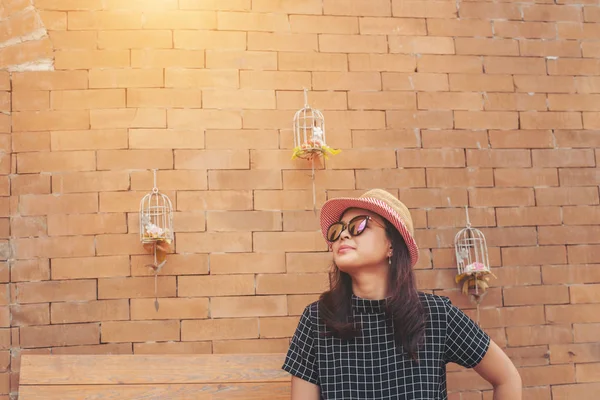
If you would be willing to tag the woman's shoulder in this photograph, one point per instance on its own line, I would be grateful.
(434, 304)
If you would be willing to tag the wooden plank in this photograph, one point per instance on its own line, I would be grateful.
(150, 369)
(240, 391)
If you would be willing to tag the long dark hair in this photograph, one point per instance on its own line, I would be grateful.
(403, 308)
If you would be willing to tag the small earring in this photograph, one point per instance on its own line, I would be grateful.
(390, 259)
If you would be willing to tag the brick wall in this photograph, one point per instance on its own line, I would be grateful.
(446, 104)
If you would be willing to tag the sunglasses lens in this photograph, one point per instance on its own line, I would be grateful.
(357, 225)
(334, 231)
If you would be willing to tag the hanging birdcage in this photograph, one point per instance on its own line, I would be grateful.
(309, 133)
(472, 262)
(156, 217)
(156, 230)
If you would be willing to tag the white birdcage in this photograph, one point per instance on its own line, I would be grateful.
(156, 217)
(309, 131)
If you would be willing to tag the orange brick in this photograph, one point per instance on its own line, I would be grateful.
(136, 287)
(591, 120)
(297, 61)
(239, 99)
(459, 27)
(30, 100)
(125, 78)
(177, 264)
(277, 327)
(56, 161)
(585, 294)
(85, 224)
(74, 40)
(50, 80)
(179, 19)
(377, 8)
(140, 331)
(419, 81)
(288, 241)
(299, 221)
(486, 120)
(213, 286)
(385, 138)
(434, 197)
(566, 196)
(243, 221)
(429, 9)
(286, 200)
(381, 100)
(88, 140)
(256, 21)
(102, 20)
(233, 59)
(51, 204)
(212, 119)
(573, 66)
(537, 335)
(543, 48)
(546, 12)
(528, 177)
(454, 217)
(421, 45)
(557, 374)
(95, 267)
(297, 303)
(43, 292)
(260, 346)
(5, 78)
(574, 274)
(53, 20)
(323, 24)
(26, 52)
(449, 101)
(289, 100)
(367, 178)
(266, 41)
(30, 141)
(521, 139)
(289, 7)
(161, 5)
(245, 306)
(59, 335)
(173, 348)
(164, 98)
(236, 180)
(578, 176)
(308, 262)
(490, 11)
(431, 158)
(499, 158)
(129, 39)
(578, 313)
(118, 348)
(91, 311)
(483, 46)
(501, 197)
(241, 139)
(167, 58)
(581, 215)
(346, 81)
(291, 283)
(420, 119)
(30, 270)
(234, 242)
(118, 244)
(565, 353)
(392, 26)
(134, 159)
(332, 43)
(512, 316)
(213, 159)
(30, 184)
(450, 64)
(90, 182)
(514, 65)
(169, 180)
(515, 101)
(87, 99)
(470, 177)
(590, 49)
(480, 82)
(88, 59)
(518, 29)
(585, 332)
(576, 102)
(551, 120)
(563, 158)
(534, 256)
(67, 5)
(50, 120)
(544, 84)
(219, 329)
(363, 158)
(28, 226)
(247, 263)
(30, 314)
(144, 309)
(215, 200)
(213, 40)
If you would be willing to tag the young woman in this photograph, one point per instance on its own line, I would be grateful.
(373, 335)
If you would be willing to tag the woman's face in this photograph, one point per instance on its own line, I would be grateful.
(369, 249)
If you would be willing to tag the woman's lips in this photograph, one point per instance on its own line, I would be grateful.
(345, 249)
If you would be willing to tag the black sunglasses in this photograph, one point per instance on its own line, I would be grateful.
(355, 226)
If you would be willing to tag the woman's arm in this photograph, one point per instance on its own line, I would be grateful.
(498, 369)
(304, 390)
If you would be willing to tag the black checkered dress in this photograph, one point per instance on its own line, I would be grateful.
(371, 366)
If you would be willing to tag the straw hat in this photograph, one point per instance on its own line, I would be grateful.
(380, 202)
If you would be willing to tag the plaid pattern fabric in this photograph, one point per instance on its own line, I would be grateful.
(371, 366)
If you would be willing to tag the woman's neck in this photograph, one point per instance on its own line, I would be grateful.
(371, 284)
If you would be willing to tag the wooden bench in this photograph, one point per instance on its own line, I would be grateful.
(189, 377)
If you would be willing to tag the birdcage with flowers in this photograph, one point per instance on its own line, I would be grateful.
(472, 261)
(156, 229)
